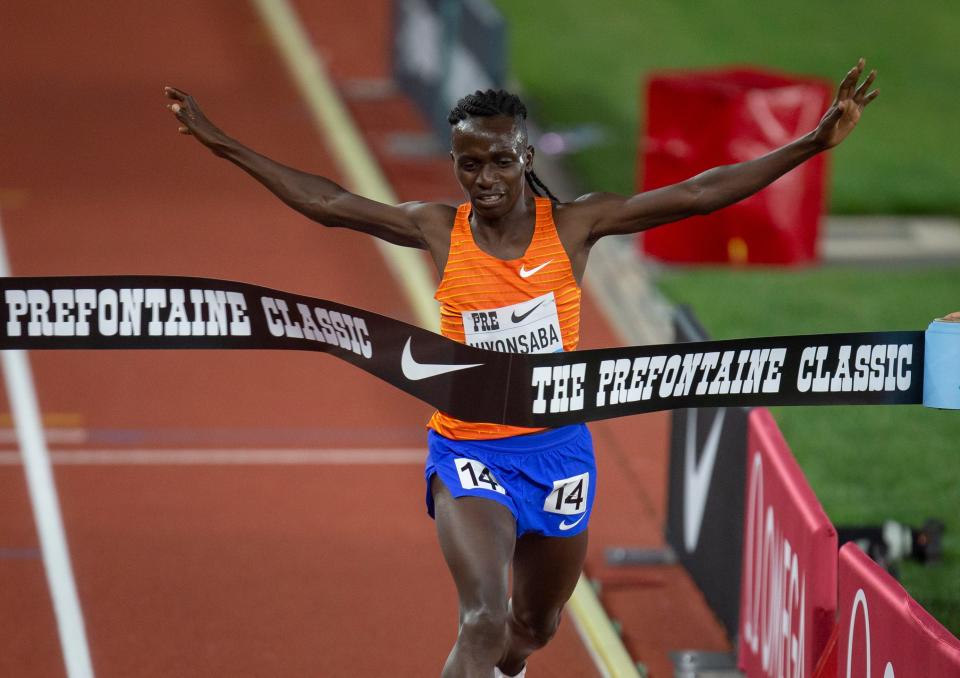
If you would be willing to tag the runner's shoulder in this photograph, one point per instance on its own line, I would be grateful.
(430, 216)
(587, 209)
(598, 198)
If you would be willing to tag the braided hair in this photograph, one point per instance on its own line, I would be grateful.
(498, 102)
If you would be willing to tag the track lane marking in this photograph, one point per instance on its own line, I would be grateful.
(45, 503)
(50, 434)
(230, 457)
(350, 152)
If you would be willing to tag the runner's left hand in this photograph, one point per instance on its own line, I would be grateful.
(844, 113)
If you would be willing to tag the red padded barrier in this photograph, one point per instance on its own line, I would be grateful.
(789, 580)
(884, 633)
(698, 120)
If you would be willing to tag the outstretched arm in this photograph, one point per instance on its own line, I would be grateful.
(722, 186)
(313, 196)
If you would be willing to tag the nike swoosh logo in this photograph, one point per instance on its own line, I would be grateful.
(564, 526)
(697, 477)
(519, 318)
(524, 273)
(415, 371)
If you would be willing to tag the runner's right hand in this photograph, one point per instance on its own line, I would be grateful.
(191, 118)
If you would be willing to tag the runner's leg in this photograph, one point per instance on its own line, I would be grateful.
(545, 572)
(477, 538)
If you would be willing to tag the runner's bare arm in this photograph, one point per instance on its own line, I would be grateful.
(408, 224)
(721, 186)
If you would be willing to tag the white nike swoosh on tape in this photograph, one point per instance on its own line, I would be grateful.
(415, 371)
(524, 273)
(565, 526)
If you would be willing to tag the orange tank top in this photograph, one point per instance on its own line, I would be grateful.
(525, 305)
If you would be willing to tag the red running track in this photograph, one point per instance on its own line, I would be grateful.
(321, 570)
(204, 570)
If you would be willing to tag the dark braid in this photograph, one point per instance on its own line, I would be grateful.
(533, 180)
(499, 102)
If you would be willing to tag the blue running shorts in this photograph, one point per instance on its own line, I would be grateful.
(546, 479)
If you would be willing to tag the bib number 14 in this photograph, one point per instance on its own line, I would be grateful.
(474, 475)
(569, 496)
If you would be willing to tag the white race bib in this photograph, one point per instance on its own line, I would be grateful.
(569, 496)
(532, 326)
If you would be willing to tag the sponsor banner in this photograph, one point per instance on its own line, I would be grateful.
(789, 584)
(522, 389)
(705, 496)
(884, 633)
(705, 503)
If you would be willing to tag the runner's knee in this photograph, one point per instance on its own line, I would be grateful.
(484, 626)
(536, 628)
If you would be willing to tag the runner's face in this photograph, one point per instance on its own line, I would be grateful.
(490, 158)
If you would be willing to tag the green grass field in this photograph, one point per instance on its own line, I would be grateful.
(586, 66)
(866, 464)
(582, 64)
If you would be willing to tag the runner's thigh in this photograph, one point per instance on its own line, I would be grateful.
(545, 572)
(477, 538)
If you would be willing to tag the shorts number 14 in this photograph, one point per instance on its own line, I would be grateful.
(569, 495)
(474, 475)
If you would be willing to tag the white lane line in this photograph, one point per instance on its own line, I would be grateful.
(231, 457)
(46, 506)
(362, 173)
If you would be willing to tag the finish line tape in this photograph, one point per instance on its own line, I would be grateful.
(521, 389)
